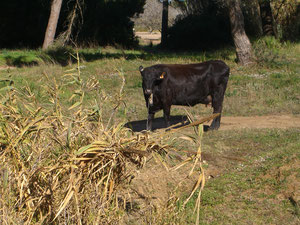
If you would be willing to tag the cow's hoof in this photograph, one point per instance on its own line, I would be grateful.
(149, 129)
(213, 128)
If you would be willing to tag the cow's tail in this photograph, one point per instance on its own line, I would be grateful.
(227, 70)
(226, 73)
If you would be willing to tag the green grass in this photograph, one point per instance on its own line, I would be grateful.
(257, 90)
(256, 191)
(19, 57)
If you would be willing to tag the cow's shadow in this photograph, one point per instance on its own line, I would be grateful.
(159, 123)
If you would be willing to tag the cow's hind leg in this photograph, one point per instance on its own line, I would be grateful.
(217, 104)
(167, 109)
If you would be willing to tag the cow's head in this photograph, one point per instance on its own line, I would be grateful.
(150, 78)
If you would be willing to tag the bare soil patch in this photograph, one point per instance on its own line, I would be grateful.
(228, 122)
(148, 37)
(6, 67)
(260, 122)
(153, 185)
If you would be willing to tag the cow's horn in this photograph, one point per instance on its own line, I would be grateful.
(141, 68)
(162, 75)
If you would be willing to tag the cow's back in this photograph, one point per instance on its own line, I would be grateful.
(190, 84)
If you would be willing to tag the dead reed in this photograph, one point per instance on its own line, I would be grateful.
(57, 169)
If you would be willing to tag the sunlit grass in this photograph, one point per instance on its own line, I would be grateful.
(269, 87)
(260, 188)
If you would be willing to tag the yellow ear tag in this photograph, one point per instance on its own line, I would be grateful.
(162, 75)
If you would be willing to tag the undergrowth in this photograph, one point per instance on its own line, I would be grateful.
(71, 169)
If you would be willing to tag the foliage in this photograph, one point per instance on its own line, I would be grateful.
(21, 25)
(58, 54)
(108, 22)
(204, 25)
(198, 7)
(201, 32)
(103, 22)
(266, 51)
(287, 17)
(150, 20)
(252, 18)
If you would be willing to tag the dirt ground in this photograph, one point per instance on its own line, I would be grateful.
(229, 122)
(259, 122)
(154, 184)
(148, 37)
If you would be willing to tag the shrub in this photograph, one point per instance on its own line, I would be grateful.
(201, 32)
(266, 51)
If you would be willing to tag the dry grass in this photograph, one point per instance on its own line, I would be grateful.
(58, 169)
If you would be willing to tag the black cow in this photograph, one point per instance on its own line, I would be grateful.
(177, 84)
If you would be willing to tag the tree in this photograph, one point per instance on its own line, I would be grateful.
(251, 12)
(108, 22)
(241, 41)
(52, 23)
(267, 18)
(164, 23)
(151, 18)
(286, 16)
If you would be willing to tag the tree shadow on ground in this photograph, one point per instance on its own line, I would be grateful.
(89, 57)
(159, 123)
(156, 53)
(67, 55)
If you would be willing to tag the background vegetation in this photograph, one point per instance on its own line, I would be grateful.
(97, 22)
(109, 22)
(250, 180)
(68, 150)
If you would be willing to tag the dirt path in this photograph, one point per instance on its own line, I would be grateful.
(228, 122)
(272, 121)
(154, 185)
(148, 37)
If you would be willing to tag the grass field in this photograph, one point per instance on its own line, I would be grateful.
(252, 175)
(271, 87)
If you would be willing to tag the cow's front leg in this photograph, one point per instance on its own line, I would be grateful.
(149, 120)
(167, 110)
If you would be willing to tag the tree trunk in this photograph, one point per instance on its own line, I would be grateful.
(267, 18)
(256, 17)
(52, 23)
(241, 41)
(164, 23)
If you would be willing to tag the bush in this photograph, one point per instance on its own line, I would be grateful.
(202, 32)
(59, 54)
(267, 52)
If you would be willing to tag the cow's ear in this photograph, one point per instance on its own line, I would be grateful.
(141, 68)
(162, 76)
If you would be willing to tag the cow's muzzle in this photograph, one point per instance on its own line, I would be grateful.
(148, 91)
(150, 99)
